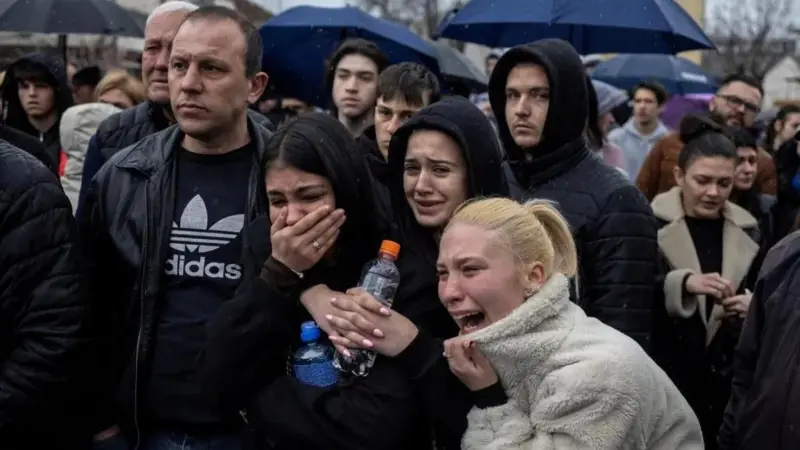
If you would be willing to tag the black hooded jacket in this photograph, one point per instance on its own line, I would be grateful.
(614, 228)
(244, 365)
(14, 115)
(446, 399)
(45, 316)
(29, 144)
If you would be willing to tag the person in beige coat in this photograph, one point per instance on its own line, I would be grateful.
(568, 381)
(78, 125)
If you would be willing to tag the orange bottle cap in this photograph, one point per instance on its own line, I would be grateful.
(390, 247)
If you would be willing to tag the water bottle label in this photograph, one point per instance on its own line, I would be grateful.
(382, 288)
(321, 374)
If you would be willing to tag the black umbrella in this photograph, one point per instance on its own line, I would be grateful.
(457, 68)
(63, 17)
(68, 17)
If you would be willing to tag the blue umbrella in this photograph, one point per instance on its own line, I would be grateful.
(591, 26)
(298, 42)
(677, 75)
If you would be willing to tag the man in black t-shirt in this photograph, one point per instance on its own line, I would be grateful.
(162, 226)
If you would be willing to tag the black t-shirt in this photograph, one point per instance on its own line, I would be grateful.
(707, 238)
(202, 271)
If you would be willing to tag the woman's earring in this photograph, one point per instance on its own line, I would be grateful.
(529, 292)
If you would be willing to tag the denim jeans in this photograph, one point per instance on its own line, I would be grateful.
(169, 440)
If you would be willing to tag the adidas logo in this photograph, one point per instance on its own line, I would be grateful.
(194, 236)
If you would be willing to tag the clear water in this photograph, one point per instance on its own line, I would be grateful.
(380, 278)
(313, 365)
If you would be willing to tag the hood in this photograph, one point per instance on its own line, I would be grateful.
(567, 114)
(13, 115)
(608, 97)
(463, 122)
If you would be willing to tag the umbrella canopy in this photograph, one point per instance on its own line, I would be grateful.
(679, 106)
(456, 67)
(677, 75)
(591, 26)
(298, 41)
(69, 17)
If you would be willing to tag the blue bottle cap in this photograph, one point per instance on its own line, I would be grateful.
(309, 331)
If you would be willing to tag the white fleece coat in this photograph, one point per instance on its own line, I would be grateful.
(574, 383)
(78, 125)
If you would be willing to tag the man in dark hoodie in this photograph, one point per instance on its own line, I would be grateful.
(36, 93)
(539, 96)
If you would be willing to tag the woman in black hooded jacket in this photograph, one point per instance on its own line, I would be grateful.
(414, 332)
(311, 164)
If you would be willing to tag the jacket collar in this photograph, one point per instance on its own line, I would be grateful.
(738, 248)
(152, 152)
(521, 342)
(540, 167)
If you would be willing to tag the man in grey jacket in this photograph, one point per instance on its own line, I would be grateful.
(641, 132)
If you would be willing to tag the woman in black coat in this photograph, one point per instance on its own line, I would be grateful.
(444, 155)
(709, 249)
(322, 228)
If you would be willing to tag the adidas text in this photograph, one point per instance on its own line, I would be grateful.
(200, 268)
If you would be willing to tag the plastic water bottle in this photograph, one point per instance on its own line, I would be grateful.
(380, 278)
(313, 362)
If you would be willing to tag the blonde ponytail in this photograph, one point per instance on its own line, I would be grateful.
(533, 232)
(565, 255)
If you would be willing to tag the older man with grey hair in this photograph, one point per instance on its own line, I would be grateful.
(134, 124)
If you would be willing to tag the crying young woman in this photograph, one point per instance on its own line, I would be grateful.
(321, 228)
(302, 261)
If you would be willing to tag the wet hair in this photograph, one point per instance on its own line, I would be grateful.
(88, 76)
(533, 232)
(742, 78)
(656, 88)
(125, 82)
(409, 82)
(703, 138)
(32, 72)
(771, 134)
(317, 143)
(363, 47)
(252, 40)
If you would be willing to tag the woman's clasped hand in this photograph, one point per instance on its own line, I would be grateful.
(299, 245)
(713, 284)
(363, 322)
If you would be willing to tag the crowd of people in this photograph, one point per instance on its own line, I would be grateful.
(574, 274)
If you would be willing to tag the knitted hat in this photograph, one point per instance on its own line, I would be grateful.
(608, 97)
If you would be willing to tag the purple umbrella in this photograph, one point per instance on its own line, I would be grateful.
(678, 106)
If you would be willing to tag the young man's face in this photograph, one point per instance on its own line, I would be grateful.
(355, 83)
(83, 94)
(37, 97)
(390, 115)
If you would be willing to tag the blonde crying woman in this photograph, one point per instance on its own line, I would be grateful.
(542, 373)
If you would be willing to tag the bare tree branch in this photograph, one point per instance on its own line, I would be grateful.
(753, 36)
(421, 15)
